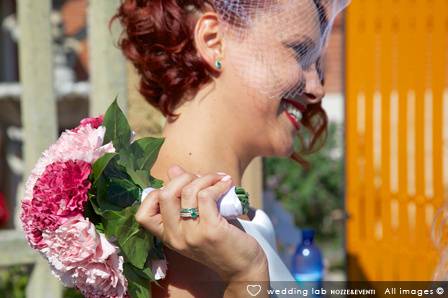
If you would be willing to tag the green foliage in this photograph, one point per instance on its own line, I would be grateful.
(117, 127)
(137, 280)
(117, 183)
(72, 293)
(132, 239)
(145, 152)
(315, 194)
(100, 165)
(13, 281)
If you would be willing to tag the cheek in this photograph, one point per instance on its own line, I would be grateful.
(262, 124)
(268, 120)
(289, 73)
(266, 69)
(273, 72)
(265, 107)
(275, 129)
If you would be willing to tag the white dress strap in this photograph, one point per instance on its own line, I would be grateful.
(261, 229)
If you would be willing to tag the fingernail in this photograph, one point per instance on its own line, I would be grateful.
(197, 175)
(226, 178)
(221, 173)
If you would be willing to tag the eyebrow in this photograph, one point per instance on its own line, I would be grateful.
(305, 43)
(305, 39)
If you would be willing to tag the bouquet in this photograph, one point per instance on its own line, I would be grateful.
(80, 203)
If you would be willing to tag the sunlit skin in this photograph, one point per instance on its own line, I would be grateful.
(226, 125)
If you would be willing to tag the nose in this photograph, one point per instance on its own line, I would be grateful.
(314, 90)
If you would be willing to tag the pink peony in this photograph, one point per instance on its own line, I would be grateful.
(85, 144)
(103, 279)
(59, 193)
(92, 122)
(76, 243)
(63, 187)
(32, 234)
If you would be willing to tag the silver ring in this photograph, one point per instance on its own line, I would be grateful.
(189, 213)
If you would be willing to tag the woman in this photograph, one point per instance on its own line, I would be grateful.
(236, 80)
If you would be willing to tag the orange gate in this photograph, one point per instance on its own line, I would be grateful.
(396, 135)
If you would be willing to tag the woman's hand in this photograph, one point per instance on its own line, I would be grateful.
(208, 239)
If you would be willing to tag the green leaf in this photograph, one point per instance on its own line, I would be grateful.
(155, 183)
(95, 206)
(146, 273)
(100, 165)
(93, 213)
(140, 177)
(122, 192)
(134, 242)
(128, 160)
(114, 188)
(145, 152)
(117, 127)
(99, 227)
(138, 287)
(90, 212)
(116, 170)
(111, 218)
(104, 202)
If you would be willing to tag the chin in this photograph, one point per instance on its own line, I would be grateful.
(284, 148)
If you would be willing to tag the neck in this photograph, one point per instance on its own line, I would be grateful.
(201, 141)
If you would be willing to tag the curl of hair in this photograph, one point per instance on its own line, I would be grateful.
(158, 39)
(315, 121)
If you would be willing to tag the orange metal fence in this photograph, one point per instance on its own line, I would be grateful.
(396, 135)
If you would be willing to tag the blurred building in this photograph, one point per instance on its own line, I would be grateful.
(68, 22)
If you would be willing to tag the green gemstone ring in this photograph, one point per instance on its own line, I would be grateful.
(189, 213)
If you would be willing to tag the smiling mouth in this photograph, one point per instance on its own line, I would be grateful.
(294, 111)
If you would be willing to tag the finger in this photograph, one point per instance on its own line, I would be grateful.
(174, 171)
(208, 199)
(169, 200)
(148, 214)
(190, 192)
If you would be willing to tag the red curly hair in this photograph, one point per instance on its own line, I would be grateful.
(158, 38)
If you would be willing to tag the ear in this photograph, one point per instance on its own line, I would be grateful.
(208, 40)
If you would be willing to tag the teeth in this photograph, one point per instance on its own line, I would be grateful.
(293, 111)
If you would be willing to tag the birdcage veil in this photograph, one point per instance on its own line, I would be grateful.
(274, 41)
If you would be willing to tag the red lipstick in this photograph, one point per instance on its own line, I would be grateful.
(293, 120)
(296, 104)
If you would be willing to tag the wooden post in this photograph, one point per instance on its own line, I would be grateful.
(108, 73)
(36, 75)
(38, 110)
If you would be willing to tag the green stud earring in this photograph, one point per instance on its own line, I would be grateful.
(218, 64)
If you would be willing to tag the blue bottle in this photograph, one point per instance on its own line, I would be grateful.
(307, 262)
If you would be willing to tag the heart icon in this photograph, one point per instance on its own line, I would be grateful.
(253, 290)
